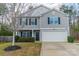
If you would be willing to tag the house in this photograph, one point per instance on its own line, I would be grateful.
(44, 24)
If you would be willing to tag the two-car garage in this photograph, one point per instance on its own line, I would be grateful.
(54, 36)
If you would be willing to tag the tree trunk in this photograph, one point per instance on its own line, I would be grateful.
(2, 19)
(70, 25)
(13, 41)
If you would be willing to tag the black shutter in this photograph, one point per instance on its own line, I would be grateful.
(35, 21)
(30, 33)
(21, 34)
(20, 21)
(26, 21)
(48, 20)
(30, 21)
(58, 20)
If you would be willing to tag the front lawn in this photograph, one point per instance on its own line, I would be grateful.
(27, 49)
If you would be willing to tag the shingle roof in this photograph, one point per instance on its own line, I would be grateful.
(39, 11)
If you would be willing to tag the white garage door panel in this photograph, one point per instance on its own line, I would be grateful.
(54, 36)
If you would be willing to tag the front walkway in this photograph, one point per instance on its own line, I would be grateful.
(59, 49)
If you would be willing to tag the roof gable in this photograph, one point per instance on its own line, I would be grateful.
(38, 11)
(55, 11)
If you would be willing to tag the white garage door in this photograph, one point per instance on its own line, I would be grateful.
(54, 36)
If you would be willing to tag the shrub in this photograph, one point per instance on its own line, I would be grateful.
(30, 39)
(71, 39)
(4, 32)
(16, 38)
(24, 39)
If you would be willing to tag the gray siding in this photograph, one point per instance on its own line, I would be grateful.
(28, 27)
(44, 20)
(64, 21)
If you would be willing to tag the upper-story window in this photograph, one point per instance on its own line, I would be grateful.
(23, 21)
(33, 21)
(28, 21)
(20, 21)
(54, 20)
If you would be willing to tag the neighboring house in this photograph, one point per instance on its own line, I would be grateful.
(43, 24)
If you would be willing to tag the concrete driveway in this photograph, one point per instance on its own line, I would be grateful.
(59, 49)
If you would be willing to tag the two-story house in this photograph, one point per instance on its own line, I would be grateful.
(44, 24)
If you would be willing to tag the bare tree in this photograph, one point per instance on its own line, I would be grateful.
(14, 10)
(71, 14)
(3, 9)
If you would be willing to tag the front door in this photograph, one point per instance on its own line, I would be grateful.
(37, 36)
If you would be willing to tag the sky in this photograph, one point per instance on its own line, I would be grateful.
(53, 5)
(50, 5)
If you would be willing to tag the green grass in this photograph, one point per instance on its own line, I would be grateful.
(28, 49)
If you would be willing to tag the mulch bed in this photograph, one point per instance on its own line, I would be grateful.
(12, 48)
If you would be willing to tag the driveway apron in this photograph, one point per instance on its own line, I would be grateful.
(59, 49)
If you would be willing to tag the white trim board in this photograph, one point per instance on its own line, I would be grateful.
(53, 28)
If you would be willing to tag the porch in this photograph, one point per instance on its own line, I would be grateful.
(29, 33)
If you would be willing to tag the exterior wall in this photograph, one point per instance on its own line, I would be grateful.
(42, 24)
(28, 27)
(64, 21)
(44, 20)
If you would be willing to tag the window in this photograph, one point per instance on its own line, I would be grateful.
(33, 21)
(23, 22)
(54, 20)
(26, 34)
(20, 21)
(29, 33)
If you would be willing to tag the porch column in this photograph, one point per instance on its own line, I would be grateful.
(16, 33)
(32, 33)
